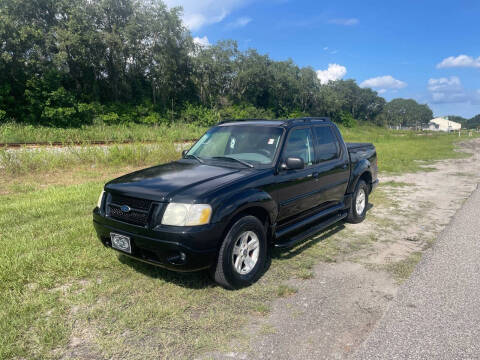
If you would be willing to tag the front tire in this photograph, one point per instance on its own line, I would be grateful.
(242, 257)
(358, 209)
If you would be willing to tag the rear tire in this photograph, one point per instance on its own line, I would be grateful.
(243, 254)
(358, 209)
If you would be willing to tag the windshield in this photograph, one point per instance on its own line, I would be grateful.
(249, 144)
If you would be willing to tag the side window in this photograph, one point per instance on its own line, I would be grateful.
(300, 145)
(327, 143)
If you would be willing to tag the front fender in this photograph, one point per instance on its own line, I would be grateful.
(361, 167)
(232, 205)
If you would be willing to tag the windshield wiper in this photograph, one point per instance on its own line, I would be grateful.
(233, 159)
(191, 156)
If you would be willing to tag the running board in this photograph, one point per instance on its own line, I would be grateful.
(312, 231)
(318, 216)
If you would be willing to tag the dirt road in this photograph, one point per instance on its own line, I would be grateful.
(334, 312)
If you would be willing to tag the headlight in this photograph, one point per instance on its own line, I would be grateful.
(187, 214)
(100, 198)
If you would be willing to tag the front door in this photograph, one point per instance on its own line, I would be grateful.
(295, 188)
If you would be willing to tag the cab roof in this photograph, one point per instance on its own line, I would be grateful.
(280, 122)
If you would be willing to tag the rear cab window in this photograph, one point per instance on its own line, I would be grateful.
(327, 143)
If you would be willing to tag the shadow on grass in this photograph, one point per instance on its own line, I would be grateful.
(191, 280)
(201, 279)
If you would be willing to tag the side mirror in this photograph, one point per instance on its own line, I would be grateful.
(293, 163)
(184, 152)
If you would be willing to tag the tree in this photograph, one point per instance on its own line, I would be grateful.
(214, 71)
(404, 112)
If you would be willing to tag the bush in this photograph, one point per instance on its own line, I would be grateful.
(153, 118)
(109, 118)
(200, 115)
(62, 109)
(347, 120)
(296, 114)
(245, 112)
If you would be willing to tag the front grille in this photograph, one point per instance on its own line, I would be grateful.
(135, 203)
(131, 217)
(138, 213)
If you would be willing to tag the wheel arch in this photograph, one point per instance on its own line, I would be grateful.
(362, 171)
(252, 202)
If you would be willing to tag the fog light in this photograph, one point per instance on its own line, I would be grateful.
(178, 259)
(121, 242)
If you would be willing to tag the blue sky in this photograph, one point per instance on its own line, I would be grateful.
(425, 50)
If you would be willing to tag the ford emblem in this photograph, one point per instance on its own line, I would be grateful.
(125, 208)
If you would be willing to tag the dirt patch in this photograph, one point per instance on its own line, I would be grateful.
(333, 312)
(419, 211)
(81, 344)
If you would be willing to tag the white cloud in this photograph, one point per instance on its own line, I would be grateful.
(459, 61)
(240, 22)
(202, 41)
(330, 51)
(452, 83)
(199, 13)
(344, 22)
(334, 72)
(450, 90)
(383, 83)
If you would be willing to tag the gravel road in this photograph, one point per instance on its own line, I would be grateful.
(436, 314)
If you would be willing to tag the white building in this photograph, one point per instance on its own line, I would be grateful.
(443, 124)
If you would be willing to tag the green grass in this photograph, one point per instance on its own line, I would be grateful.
(402, 269)
(17, 133)
(406, 151)
(285, 290)
(28, 161)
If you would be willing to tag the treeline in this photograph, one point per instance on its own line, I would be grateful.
(68, 63)
(472, 123)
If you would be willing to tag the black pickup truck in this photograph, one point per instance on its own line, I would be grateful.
(243, 187)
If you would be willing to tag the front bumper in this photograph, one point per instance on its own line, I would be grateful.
(174, 248)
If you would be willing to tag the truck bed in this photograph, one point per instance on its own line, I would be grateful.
(359, 151)
(352, 147)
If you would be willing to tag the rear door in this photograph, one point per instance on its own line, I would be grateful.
(331, 171)
(294, 188)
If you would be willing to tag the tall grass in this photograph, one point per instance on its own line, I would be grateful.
(17, 133)
(27, 161)
(398, 151)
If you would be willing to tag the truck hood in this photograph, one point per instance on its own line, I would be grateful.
(162, 182)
